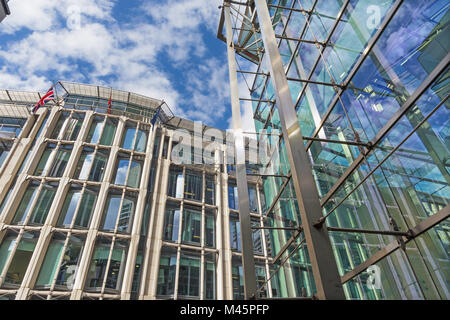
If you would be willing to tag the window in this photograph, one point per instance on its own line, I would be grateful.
(17, 257)
(253, 199)
(5, 148)
(235, 233)
(193, 185)
(167, 270)
(210, 195)
(78, 212)
(54, 160)
(102, 131)
(192, 218)
(210, 235)
(61, 262)
(238, 279)
(96, 130)
(175, 183)
(210, 276)
(36, 203)
(68, 126)
(128, 171)
(119, 211)
(232, 195)
(92, 164)
(107, 265)
(189, 277)
(257, 238)
(171, 222)
(135, 137)
(11, 127)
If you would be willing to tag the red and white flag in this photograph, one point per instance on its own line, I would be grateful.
(50, 95)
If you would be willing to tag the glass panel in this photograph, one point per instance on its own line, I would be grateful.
(86, 208)
(26, 203)
(141, 141)
(43, 204)
(111, 211)
(60, 161)
(235, 233)
(126, 214)
(175, 183)
(238, 280)
(191, 225)
(6, 248)
(134, 176)
(99, 166)
(210, 276)
(210, 235)
(69, 207)
(117, 265)
(210, 195)
(95, 131)
(193, 185)
(44, 164)
(128, 138)
(84, 164)
(108, 132)
(21, 259)
(171, 222)
(252, 198)
(122, 170)
(166, 274)
(189, 277)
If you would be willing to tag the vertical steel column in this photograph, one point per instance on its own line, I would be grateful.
(325, 272)
(248, 261)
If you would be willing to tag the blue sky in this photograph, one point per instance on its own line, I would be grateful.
(163, 49)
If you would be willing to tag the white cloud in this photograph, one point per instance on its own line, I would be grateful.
(127, 55)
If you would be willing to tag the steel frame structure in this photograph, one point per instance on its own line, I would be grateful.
(263, 27)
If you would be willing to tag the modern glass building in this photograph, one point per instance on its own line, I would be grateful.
(358, 91)
(92, 206)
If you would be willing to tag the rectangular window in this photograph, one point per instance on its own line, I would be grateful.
(107, 265)
(128, 139)
(238, 279)
(193, 185)
(54, 160)
(235, 233)
(92, 164)
(232, 195)
(175, 183)
(257, 238)
(210, 231)
(36, 210)
(109, 132)
(192, 219)
(189, 277)
(171, 222)
(96, 130)
(20, 256)
(210, 276)
(68, 126)
(119, 211)
(210, 195)
(166, 274)
(75, 212)
(252, 199)
(61, 262)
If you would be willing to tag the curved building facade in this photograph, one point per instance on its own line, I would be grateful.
(93, 207)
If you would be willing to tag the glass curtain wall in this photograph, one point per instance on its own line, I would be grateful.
(379, 99)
